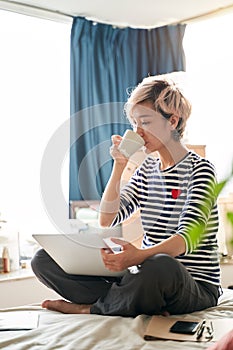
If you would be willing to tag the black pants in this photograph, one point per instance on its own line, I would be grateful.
(162, 284)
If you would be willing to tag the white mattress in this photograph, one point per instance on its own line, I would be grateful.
(84, 332)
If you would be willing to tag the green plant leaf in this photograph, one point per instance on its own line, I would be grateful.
(230, 217)
(219, 187)
(197, 232)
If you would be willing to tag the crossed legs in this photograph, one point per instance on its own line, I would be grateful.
(162, 285)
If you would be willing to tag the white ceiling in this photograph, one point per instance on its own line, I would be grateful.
(132, 13)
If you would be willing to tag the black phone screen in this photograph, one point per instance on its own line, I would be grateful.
(185, 327)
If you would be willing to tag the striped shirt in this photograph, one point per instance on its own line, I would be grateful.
(178, 200)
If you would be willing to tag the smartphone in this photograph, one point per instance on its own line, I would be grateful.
(113, 247)
(185, 327)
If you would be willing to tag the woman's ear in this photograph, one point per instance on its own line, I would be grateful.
(174, 120)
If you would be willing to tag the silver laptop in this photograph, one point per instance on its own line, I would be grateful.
(77, 253)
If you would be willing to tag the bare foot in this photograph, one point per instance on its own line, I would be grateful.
(66, 307)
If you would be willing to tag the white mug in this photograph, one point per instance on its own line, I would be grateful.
(130, 143)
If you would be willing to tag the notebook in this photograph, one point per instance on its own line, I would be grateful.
(78, 253)
(159, 328)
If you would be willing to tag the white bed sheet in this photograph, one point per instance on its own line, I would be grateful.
(84, 332)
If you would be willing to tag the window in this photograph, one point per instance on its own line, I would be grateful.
(209, 57)
(35, 100)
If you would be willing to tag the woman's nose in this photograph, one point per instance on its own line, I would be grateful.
(139, 131)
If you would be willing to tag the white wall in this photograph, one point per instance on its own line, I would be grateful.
(209, 56)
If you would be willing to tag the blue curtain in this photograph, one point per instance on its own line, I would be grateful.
(106, 63)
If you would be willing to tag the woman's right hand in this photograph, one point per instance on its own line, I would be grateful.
(116, 155)
(110, 201)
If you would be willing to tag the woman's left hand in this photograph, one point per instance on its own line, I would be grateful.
(128, 256)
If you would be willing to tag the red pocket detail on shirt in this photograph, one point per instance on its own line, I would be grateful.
(176, 193)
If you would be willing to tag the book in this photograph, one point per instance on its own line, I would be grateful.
(159, 328)
(18, 320)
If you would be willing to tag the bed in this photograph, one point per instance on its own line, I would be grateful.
(84, 332)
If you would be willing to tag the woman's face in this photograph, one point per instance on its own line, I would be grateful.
(151, 126)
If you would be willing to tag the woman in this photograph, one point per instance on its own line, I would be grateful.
(177, 265)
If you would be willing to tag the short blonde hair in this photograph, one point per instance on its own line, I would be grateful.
(166, 98)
